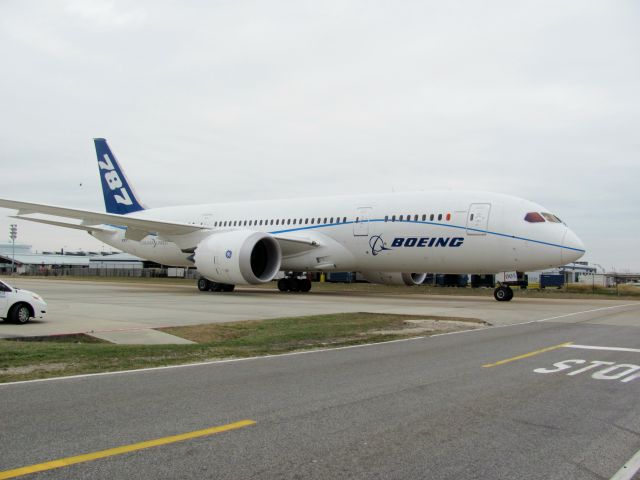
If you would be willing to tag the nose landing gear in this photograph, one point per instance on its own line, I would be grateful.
(503, 293)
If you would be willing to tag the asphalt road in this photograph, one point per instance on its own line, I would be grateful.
(423, 408)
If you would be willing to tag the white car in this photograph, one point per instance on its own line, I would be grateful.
(18, 306)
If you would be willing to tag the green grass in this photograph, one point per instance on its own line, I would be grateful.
(25, 360)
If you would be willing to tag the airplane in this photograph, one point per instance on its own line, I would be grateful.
(391, 239)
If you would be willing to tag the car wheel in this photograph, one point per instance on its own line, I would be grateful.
(20, 314)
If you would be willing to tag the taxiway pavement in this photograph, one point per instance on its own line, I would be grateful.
(127, 312)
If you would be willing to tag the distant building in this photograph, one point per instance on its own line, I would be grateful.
(34, 263)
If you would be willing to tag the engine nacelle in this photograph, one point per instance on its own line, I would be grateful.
(239, 257)
(393, 278)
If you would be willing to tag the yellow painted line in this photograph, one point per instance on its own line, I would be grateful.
(65, 462)
(526, 355)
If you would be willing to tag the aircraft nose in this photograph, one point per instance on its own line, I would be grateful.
(572, 247)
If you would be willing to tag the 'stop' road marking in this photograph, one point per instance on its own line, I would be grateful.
(64, 462)
(526, 355)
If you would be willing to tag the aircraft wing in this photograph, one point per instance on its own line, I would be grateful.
(75, 226)
(138, 228)
(88, 217)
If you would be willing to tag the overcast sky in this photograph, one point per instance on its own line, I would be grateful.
(231, 100)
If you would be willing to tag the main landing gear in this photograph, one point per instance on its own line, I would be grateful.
(503, 293)
(294, 282)
(205, 285)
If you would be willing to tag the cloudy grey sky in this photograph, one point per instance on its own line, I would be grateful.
(206, 101)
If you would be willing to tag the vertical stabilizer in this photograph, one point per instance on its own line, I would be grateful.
(119, 196)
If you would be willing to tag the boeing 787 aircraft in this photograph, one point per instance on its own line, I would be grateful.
(389, 238)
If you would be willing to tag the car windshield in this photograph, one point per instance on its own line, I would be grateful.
(5, 287)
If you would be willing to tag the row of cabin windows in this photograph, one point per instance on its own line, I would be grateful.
(277, 221)
(325, 220)
(416, 218)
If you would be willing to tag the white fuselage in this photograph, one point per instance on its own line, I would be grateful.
(444, 232)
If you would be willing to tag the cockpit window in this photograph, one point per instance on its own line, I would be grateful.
(534, 217)
(551, 218)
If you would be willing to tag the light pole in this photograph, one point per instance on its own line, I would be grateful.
(13, 234)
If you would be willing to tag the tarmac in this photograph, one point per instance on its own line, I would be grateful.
(129, 312)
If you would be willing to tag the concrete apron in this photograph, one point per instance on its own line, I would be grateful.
(143, 336)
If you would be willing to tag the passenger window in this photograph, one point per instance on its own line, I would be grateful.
(313, 220)
(289, 221)
(393, 218)
(439, 216)
(386, 218)
(344, 219)
(400, 218)
(415, 219)
(319, 221)
(448, 217)
(331, 220)
(424, 217)
(431, 217)
(532, 217)
(278, 221)
(306, 221)
(325, 219)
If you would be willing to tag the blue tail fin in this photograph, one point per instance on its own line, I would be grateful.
(119, 197)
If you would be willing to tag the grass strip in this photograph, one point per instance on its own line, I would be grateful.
(26, 360)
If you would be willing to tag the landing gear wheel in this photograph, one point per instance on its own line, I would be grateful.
(283, 284)
(204, 285)
(227, 287)
(305, 285)
(294, 285)
(503, 294)
(20, 314)
(217, 287)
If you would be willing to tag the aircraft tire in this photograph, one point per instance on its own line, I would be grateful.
(204, 285)
(509, 293)
(294, 285)
(283, 285)
(503, 294)
(217, 287)
(305, 285)
(228, 288)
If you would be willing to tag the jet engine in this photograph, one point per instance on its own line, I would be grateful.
(238, 257)
(392, 278)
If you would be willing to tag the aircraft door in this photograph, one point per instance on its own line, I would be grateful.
(361, 223)
(478, 218)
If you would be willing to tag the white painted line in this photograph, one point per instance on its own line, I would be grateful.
(612, 349)
(319, 350)
(539, 320)
(629, 469)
